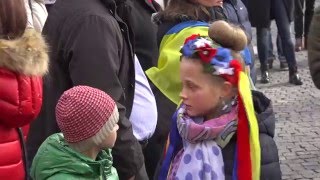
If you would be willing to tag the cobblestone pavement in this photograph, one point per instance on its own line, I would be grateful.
(297, 111)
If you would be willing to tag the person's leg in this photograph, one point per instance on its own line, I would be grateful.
(152, 155)
(253, 73)
(298, 23)
(307, 19)
(271, 55)
(263, 49)
(282, 59)
(283, 26)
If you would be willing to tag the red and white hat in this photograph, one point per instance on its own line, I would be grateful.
(86, 116)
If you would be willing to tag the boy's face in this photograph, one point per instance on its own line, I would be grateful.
(200, 93)
(111, 139)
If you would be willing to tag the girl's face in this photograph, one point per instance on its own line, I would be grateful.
(200, 92)
(210, 3)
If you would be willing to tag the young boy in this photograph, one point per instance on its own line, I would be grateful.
(88, 120)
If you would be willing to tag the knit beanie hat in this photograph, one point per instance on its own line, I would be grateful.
(86, 116)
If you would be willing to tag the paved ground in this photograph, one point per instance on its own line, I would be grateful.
(298, 120)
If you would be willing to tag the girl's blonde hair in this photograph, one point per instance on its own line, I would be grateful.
(229, 36)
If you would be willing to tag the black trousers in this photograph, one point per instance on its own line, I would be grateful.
(283, 26)
(303, 8)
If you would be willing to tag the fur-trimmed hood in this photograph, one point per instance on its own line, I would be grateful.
(27, 55)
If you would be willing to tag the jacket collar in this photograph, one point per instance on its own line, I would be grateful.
(27, 55)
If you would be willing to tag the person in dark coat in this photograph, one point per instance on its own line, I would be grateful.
(261, 12)
(137, 15)
(236, 13)
(90, 46)
(314, 48)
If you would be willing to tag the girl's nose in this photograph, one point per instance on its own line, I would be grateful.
(182, 95)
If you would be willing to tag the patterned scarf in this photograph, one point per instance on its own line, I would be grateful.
(201, 156)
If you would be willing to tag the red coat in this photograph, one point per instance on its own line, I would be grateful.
(23, 62)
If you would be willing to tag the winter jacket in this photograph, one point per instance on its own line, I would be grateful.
(55, 160)
(137, 15)
(37, 14)
(314, 48)
(260, 13)
(270, 165)
(90, 45)
(23, 62)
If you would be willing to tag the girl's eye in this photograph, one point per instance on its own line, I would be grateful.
(191, 86)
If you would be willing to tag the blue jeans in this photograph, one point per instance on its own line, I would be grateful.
(283, 25)
(271, 55)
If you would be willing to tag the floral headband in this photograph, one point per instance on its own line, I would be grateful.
(216, 60)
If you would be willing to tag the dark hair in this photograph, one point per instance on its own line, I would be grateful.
(184, 9)
(13, 18)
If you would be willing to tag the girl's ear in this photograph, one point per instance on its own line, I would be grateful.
(228, 90)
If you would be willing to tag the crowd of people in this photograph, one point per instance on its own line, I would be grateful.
(129, 89)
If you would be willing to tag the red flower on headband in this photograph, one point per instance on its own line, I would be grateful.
(192, 37)
(206, 53)
(234, 79)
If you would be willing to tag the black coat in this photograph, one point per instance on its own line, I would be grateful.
(270, 166)
(260, 12)
(137, 15)
(90, 45)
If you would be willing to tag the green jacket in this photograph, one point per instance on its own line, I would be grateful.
(55, 161)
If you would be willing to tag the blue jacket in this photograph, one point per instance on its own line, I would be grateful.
(237, 13)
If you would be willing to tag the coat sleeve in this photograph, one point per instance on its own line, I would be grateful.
(314, 48)
(94, 56)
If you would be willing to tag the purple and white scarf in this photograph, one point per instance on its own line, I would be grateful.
(201, 157)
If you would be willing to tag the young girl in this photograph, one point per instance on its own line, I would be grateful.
(215, 133)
